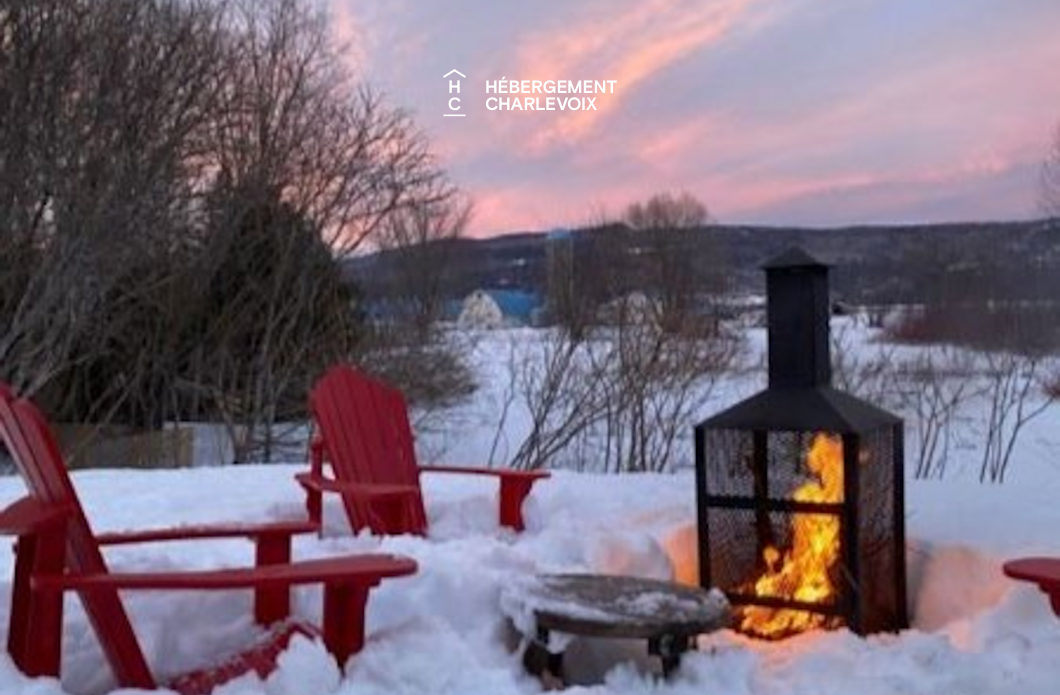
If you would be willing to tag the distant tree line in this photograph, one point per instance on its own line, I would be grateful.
(177, 181)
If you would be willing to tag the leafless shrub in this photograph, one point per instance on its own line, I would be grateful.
(432, 373)
(1016, 394)
(637, 351)
(563, 395)
(998, 329)
(656, 380)
(938, 387)
(618, 401)
(934, 388)
(864, 374)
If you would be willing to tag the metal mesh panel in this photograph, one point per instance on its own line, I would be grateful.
(877, 550)
(730, 462)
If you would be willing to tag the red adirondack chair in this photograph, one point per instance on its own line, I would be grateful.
(1043, 571)
(57, 552)
(363, 433)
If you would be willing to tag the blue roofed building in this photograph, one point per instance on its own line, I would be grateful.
(497, 308)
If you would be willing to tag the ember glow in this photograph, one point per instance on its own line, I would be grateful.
(804, 571)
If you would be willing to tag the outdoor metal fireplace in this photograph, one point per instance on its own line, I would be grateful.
(799, 488)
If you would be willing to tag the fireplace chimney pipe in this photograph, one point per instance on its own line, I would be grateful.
(797, 313)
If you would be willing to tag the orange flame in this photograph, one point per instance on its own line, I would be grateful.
(803, 572)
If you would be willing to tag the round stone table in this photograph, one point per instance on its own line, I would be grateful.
(548, 609)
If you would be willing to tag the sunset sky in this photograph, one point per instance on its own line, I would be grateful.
(815, 112)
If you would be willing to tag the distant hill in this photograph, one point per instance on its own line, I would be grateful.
(878, 264)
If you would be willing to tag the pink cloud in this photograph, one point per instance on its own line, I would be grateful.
(801, 102)
(629, 47)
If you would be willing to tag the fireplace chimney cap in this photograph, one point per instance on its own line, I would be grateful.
(799, 396)
(793, 257)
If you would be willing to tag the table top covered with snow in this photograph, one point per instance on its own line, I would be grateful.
(618, 606)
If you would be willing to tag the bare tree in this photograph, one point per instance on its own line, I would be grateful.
(677, 256)
(585, 269)
(635, 355)
(100, 100)
(306, 164)
(297, 122)
(418, 243)
(178, 180)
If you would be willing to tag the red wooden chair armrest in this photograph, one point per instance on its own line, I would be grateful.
(272, 543)
(515, 486)
(347, 581)
(498, 472)
(318, 482)
(1035, 569)
(1043, 571)
(367, 490)
(351, 570)
(29, 515)
(200, 532)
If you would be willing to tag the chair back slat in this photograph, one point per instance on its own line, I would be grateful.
(45, 484)
(375, 414)
(367, 435)
(40, 463)
(402, 434)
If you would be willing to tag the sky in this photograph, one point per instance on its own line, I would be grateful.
(782, 112)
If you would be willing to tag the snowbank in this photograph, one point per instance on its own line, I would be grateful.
(443, 630)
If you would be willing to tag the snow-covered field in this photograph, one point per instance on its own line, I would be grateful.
(443, 630)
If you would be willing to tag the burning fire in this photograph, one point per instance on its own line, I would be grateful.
(802, 572)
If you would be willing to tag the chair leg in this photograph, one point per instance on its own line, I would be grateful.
(344, 609)
(18, 622)
(314, 507)
(45, 634)
(513, 492)
(314, 498)
(272, 604)
(44, 616)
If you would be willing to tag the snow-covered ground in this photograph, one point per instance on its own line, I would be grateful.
(443, 629)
